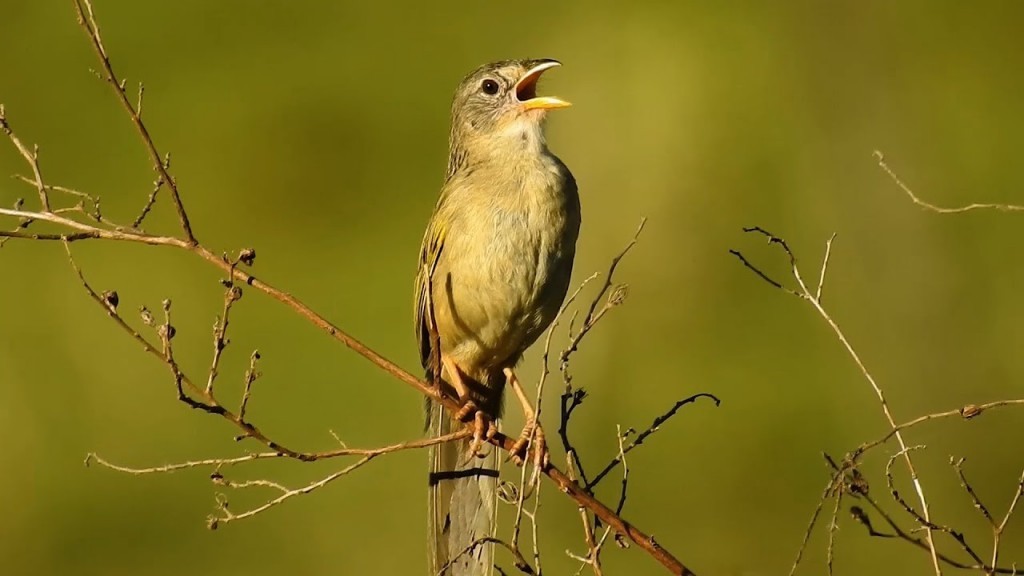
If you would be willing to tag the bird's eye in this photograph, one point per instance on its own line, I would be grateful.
(490, 87)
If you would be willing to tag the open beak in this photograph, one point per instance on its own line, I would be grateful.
(526, 89)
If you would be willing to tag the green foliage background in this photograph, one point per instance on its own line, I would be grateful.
(316, 133)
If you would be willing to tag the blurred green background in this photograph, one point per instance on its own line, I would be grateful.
(316, 133)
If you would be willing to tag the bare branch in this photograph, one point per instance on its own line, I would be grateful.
(997, 527)
(830, 488)
(833, 526)
(30, 156)
(169, 468)
(957, 464)
(966, 412)
(88, 231)
(939, 209)
(232, 294)
(518, 561)
(572, 398)
(997, 530)
(921, 519)
(654, 427)
(151, 200)
(824, 267)
(314, 456)
(861, 516)
(616, 298)
(226, 515)
(87, 19)
(815, 300)
(250, 376)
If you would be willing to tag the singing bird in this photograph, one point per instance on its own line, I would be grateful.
(494, 270)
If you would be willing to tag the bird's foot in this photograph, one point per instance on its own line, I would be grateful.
(484, 429)
(532, 436)
(467, 412)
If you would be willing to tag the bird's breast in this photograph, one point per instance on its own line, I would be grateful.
(509, 259)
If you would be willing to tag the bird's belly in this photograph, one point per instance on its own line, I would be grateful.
(499, 300)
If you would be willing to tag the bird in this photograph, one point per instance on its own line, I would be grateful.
(494, 268)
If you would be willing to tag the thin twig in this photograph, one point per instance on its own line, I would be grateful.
(833, 526)
(231, 461)
(815, 299)
(997, 531)
(997, 527)
(251, 375)
(546, 371)
(654, 427)
(924, 521)
(572, 398)
(939, 209)
(824, 266)
(30, 156)
(966, 412)
(226, 515)
(829, 490)
(958, 464)
(520, 563)
(93, 214)
(545, 368)
(151, 200)
(232, 294)
(898, 532)
(616, 298)
(87, 19)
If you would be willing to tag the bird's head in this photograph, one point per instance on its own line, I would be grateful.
(501, 99)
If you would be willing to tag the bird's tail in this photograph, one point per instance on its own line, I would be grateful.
(462, 502)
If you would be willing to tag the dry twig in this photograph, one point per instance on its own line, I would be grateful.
(814, 298)
(939, 209)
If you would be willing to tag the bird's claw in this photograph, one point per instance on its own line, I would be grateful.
(468, 409)
(484, 430)
(532, 436)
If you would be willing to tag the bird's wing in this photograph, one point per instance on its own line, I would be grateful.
(463, 493)
(430, 253)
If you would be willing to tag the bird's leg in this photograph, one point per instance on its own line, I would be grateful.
(532, 432)
(483, 426)
(455, 375)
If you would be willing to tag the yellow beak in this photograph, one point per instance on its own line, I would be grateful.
(526, 89)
